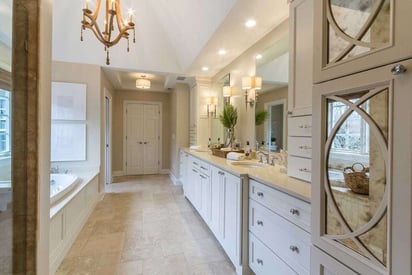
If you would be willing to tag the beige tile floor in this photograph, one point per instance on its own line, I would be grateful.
(144, 225)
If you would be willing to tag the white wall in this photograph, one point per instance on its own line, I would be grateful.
(44, 109)
(90, 75)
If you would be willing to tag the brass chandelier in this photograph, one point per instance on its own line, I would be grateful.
(109, 37)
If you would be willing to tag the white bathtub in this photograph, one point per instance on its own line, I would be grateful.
(60, 185)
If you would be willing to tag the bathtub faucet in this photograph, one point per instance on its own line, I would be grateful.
(54, 170)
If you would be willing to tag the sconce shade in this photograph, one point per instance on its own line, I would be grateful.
(246, 83)
(253, 82)
(142, 83)
(257, 83)
(227, 91)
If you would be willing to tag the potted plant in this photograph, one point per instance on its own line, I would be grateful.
(260, 117)
(228, 118)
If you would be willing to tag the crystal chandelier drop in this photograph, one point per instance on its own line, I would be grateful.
(108, 35)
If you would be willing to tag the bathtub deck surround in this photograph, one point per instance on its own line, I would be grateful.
(70, 208)
(144, 225)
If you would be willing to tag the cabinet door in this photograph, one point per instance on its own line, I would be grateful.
(216, 181)
(361, 180)
(354, 36)
(205, 210)
(301, 55)
(231, 217)
(322, 264)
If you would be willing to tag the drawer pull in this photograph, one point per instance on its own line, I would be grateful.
(260, 194)
(294, 248)
(294, 211)
(304, 147)
(195, 163)
(203, 177)
(220, 173)
(304, 126)
(304, 170)
(260, 223)
(204, 168)
(259, 261)
(194, 170)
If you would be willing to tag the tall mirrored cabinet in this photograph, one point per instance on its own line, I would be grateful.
(362, 146)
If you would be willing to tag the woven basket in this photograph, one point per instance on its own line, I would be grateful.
(223, 154)
(357, 179)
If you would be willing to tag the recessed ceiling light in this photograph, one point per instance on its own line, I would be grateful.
(250, 23)
(205, 69)
(259, 56)
(221, 52)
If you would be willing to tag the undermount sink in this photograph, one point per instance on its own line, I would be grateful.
(248, 164)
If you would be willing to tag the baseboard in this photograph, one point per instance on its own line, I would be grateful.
(118, 173)
(164, 171)
(175, 180)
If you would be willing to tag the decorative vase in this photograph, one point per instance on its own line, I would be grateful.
(232, 138)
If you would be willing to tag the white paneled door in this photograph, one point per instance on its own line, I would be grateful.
(142, 137)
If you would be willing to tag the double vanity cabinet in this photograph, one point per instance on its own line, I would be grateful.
(260, 216)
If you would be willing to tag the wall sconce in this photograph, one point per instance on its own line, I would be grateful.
(249, 83)
(211, 107)
(227, 94)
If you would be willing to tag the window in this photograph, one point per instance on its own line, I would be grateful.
(353, 135)
(4, 122)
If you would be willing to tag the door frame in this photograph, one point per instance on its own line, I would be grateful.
(110, 123)
(285, 115)
(160, 105)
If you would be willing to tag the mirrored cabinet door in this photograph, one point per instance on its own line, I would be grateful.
(358, 181)
(359, 35)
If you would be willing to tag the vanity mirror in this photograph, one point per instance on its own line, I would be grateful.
(216, 129)
(271, 108)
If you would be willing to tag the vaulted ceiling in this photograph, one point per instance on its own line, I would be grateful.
(175, 38)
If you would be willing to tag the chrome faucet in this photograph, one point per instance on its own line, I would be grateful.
(262, 154)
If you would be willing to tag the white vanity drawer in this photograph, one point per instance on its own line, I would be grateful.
(204, 167)
(300, 126)
(292, 209)
(300, 146)
(286, 240)
(264, 262)
(300, 168)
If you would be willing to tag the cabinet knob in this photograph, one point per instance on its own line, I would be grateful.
(259, 261)
(290, 113)
(140, 142)
(304, 126)
(260, 194)
(260, 223)
(304, 170)
(294, 211)
(304, 147)
(294, 248)
(398, 69)
(145, 142)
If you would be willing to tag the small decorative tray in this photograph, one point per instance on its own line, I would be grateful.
(223, 154)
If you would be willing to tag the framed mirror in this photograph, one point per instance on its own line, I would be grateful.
(216, 128)
(271, 108)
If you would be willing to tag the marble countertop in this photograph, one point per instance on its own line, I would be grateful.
(268, 175)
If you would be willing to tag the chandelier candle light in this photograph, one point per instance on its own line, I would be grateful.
(113, 15)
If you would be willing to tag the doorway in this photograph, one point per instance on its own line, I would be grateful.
(108, 138)
(275, 125)
(141, 136)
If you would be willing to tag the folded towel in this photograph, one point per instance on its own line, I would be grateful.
(194, 147)
(235, 156)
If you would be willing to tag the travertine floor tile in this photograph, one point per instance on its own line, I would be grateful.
(144, 225)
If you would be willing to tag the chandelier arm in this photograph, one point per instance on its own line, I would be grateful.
(98, 34)
(95, 14)
(119, 17)
(121, 35)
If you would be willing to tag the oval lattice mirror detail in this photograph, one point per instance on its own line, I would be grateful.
(355, 174)
(357, 27)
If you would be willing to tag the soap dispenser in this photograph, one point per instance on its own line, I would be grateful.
(247, 149)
